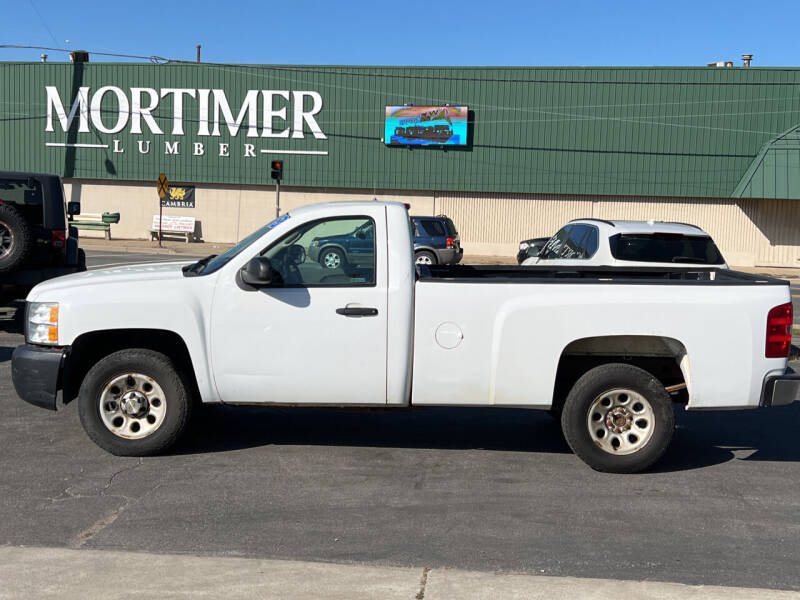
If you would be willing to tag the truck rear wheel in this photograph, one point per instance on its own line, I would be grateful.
(134, 403)
(618, 418)
(15, 238)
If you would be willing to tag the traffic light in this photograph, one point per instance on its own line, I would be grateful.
(277, 169)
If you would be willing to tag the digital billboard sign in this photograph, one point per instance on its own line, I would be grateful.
(425, 126)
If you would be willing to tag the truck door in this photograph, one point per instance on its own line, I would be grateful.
(314, 336)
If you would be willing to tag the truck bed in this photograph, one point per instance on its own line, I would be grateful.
(590, 275)
(482, 339)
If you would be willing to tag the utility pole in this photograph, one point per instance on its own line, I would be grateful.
(278, 198)
(276, 172)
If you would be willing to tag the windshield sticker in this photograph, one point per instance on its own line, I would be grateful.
(277, 221)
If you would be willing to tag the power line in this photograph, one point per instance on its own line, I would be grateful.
(36, 10)
(331, 71)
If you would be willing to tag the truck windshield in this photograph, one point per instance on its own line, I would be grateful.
(665, 248)
(223, 259)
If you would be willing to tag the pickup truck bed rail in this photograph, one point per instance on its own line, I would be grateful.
(590, 275)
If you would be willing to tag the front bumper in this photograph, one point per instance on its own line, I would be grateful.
(781, 390)
(36, 373)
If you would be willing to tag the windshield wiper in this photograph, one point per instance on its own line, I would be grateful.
(196, 268)
(688, 259)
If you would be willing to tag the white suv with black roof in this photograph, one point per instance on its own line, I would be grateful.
(597, 242)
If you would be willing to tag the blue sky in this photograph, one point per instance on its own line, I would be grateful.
(432, 32)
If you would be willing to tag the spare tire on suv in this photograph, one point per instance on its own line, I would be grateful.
(15, 238)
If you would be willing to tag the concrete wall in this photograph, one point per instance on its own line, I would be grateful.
(748, 231)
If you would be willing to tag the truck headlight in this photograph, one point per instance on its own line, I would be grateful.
(523, 245)
(42, 326)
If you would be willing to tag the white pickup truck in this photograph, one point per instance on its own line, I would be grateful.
(609, 350)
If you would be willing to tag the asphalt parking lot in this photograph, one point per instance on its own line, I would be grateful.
(481, 489)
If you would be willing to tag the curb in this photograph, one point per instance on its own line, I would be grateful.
(192, 250)
(128, 249)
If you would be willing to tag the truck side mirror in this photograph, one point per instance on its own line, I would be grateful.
(73, 208)
(257, 272)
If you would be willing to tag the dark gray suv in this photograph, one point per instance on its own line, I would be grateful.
(436, 241)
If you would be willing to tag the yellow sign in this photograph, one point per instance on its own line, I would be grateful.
(163, 186)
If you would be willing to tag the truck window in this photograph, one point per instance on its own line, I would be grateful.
(665, 247)
(339, 251)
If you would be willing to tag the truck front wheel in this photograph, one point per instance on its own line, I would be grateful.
(618, 418)
(134, 403)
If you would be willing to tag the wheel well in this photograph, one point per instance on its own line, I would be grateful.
(93, 346)
(663, 357)
(332, 247)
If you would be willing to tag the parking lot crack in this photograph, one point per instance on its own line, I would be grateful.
(423, 582)
(95, 528)
(120, 472)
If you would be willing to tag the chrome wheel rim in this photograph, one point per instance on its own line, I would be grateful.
(621, 421)
(6, 240)
(132, 406)
(331, 260)
(423, 259)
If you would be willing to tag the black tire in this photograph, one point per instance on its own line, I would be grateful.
(332, 258)
(177, 402)
(614, 380)
(423, 257)
(15, 238)
(81, 260)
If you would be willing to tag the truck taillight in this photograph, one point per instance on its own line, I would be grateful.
(779, 331)
(449, 242)
(59, 238)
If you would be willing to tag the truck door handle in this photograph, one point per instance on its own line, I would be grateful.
(357, 311)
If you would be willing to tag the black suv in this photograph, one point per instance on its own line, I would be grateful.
(36, 242)
(436, 241)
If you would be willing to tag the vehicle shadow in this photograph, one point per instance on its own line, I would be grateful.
(702, 439)
(5, 353)
(11, 317)
(221, 428)
(706, 438)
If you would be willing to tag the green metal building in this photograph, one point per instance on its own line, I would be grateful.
(719, 147)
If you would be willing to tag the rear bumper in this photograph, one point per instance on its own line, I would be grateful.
(36, 373)
(781, 390)
(449, 256)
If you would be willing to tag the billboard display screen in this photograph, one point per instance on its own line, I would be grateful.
(425, 126)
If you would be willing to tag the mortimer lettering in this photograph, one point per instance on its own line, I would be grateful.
(137, 108)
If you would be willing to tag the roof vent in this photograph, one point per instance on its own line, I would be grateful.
(721, 63)
(79, 56)
(746, 58)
